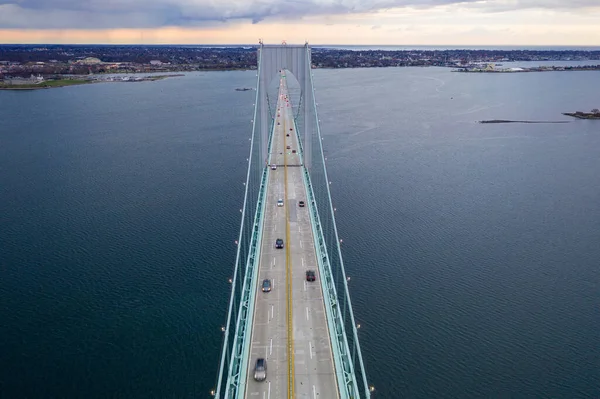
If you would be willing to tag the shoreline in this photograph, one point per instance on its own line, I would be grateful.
(51, 84)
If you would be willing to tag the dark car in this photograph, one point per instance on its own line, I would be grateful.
(293, 151)
(289, 146)
(310, 275)
(279, 243)
(291, 130)
(288, 135)
(301, 204)
(266, 287)
(260, 369)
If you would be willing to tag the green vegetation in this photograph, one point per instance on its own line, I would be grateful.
(45, 84)
(64, 82)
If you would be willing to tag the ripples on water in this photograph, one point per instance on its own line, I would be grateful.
(472, 248)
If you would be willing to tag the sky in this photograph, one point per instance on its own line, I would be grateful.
(320, 22)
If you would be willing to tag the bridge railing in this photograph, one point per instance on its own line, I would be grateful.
(343, 328)
(237, 330)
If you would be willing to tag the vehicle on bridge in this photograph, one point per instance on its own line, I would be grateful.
(279, 202)
(279, 243)
(260, 370)
(273, 167)
(310, 275)
(266, 285)
(301, 204)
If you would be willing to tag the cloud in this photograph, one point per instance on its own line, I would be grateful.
(513, 5)
(97, 14)
(156, 13)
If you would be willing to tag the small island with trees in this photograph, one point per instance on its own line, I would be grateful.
(594, 114)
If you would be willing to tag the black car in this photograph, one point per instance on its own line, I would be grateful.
(279, 243)
(301, 204)
(310, 275)
(266, 286)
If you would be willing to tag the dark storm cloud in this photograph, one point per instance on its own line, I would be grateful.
(155, 13)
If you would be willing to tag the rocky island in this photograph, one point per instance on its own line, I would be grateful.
(594, 114)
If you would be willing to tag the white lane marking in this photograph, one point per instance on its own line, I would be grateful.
(300, 244)
(268, 318)
(264, 394)
(271, 347)
(310, 348)
(269, 395)
(273, 284)
(302, 262)
(307, 313)
(304, 285)
(266, 352)
(272, 312)
(314, 393)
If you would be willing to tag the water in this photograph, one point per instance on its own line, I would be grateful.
(473, 249)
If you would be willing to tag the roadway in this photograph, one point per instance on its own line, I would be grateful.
(289, 327)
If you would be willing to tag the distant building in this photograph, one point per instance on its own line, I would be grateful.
(155, 62)
(89, 61)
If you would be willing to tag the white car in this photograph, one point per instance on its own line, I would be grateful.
(273, 167)
(280, 202)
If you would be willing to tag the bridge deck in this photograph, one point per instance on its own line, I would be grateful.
(312, 369)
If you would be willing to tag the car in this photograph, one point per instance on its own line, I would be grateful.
(278, 123)
(289, 147)
(279, 243)
(291, 129)
(266, 286)
(288, 135)
(279, 202)
(301, 204)
(293, 151)
(260, 369)
(273, 167)
(310, 275)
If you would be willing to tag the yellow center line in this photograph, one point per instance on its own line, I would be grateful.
(288, 269)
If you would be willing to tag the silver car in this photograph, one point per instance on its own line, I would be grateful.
(260, 370)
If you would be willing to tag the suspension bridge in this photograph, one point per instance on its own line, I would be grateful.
(290, 331)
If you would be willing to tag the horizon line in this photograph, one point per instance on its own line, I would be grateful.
(292, 44)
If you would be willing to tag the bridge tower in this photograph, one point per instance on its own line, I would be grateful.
(343, 330)
(296, 59)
